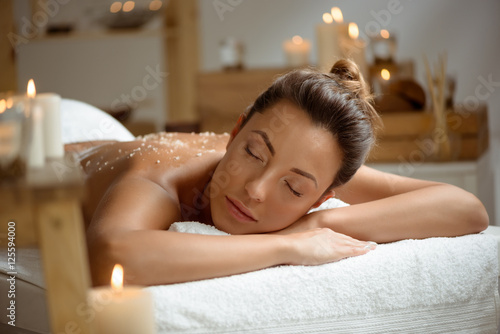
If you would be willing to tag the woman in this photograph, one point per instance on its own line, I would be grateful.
(303, 141)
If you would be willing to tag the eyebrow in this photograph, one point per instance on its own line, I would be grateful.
(266, 140)
(306, 174)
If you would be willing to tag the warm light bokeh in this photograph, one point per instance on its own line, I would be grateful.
(115, 7)
(155, 5)
(10, 102)
(297, 39)
(3, 105)
(327, 18)
(353, 30)
(128, 6)
(384, 33)
(337, 15)
(385, 74)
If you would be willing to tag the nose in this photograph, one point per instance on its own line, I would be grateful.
(257, 189)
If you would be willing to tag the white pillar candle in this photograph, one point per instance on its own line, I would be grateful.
(297, 51)
(328, 37)
(52, 132)
(354, 48)
(36, 158)
(36, 152)
(122, 309)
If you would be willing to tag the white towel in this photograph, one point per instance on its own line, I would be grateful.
(409, 274)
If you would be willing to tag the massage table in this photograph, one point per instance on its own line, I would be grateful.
(435, 285)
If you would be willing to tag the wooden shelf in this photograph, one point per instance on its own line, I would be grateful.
(406, 136)
(224, 95)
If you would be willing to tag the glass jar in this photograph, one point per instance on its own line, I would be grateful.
(14, 136)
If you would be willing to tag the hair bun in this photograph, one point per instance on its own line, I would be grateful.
(349, 75)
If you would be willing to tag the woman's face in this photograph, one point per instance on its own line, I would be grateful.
(275, 169)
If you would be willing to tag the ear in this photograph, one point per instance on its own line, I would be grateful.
(327, 195)
(237, 128)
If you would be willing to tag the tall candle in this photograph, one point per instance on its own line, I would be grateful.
(297, 51)
(328, 37)
(36, 156)
(383, 47)
(122, 309)
(354, 48)
(50, 103)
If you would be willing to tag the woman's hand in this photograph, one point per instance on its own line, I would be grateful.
(322, 245)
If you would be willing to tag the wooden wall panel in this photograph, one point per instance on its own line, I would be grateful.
(7, 54)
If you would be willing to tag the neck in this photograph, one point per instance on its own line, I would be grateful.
(195, 204)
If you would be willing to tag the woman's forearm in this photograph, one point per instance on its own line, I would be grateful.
(440, 210)
(152, 257)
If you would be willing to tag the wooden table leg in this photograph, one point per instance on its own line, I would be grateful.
(65, 265)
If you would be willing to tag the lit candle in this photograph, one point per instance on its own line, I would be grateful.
(383, 47)
(50, 104)
(355, 49)
(36, 156)
(328, 36)
(121, 310)
(381, 82)
(12, 135)
(297, 51)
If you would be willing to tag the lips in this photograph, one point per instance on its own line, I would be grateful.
(239, 211)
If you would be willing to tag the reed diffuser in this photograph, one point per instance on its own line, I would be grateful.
(436, 83)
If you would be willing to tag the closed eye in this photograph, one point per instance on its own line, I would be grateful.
(296, 193)
(247, 149)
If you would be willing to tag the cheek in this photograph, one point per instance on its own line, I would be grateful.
(228, 173)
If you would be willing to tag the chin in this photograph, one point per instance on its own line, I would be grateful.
(228, 227)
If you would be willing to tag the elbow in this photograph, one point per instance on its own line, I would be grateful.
(477, 218)
(104, 252)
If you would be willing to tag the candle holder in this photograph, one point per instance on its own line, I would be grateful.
(297, 51)
(14, 136)
(447, 144)
(231, 54)
(383, 47)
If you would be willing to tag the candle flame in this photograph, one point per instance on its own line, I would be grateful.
(337, 15)
(31, 89)
(297, 40)
(384, 33)
(3, 105)
(385, 74)
(353, 30)
(327, 18)
(117, 278)
(10, 102)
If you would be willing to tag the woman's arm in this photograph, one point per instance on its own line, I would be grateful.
(386, 207)
(129, 227)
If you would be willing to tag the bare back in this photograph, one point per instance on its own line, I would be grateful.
(175, 162)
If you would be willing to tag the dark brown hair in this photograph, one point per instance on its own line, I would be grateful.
(339, 102)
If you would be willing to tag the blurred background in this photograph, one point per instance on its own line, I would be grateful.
(194, 65)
